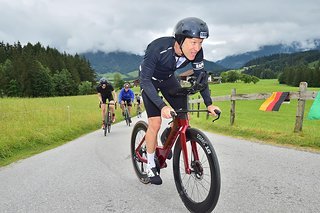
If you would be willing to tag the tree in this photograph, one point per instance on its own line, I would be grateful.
(233, 76)
(254, 79)
(63, 84)
(13, 89)
(18, 63)
(246, 78)
(224, 77)
(117, 81)
(85, 88)
(41, 81)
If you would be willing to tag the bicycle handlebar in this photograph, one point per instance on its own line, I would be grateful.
(174, 113)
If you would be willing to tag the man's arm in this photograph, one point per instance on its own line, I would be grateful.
(120, 96)
(114, 96)
(132, 96)
(99, 97)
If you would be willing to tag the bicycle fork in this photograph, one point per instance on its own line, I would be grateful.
(184, 150)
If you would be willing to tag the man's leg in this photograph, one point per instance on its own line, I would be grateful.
(129, 104)
(151, 141)
(122, 106)
(103, 113)
(112, 103)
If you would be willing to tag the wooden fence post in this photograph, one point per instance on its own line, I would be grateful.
(233, 106)
(192, 107)
(301, 105)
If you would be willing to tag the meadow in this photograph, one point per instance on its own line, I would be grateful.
(33, 125)
(276, 127)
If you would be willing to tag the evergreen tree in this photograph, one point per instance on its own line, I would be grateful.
(41, 81)
(85, 88)
(63, 84)
(117, 81)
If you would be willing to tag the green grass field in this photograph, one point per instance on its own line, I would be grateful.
(30, 126)
(251, 123)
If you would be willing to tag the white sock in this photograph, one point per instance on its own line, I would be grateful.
(151, 162)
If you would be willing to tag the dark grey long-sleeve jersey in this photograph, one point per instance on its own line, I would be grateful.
(160, 62)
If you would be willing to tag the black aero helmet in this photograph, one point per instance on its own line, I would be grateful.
(190, 28)
(103, 81)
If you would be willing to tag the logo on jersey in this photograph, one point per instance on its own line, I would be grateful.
(199, 65)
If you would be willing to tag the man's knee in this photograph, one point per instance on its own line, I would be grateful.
(154, 124)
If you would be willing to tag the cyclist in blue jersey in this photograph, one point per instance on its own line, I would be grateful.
(162, 58)
(126, 95)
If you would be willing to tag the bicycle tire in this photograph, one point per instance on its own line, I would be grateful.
(138, 132)
(109, 122)
(127, 117)
(206, 180)
(105, 125)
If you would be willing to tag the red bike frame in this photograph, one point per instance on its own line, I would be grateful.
(179, 129)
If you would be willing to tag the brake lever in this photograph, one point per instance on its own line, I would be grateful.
(218, 113)
(173, 114)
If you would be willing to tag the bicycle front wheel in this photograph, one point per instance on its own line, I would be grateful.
(139, 147)
(199, 190)
(127, 117)
(109, 121)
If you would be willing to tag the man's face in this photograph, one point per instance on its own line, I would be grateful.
(126, 88)
(191, 46)
(104, 86)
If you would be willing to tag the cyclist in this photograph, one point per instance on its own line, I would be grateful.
(126, 95)
(139, 100)
(162, 58)
(105, 91)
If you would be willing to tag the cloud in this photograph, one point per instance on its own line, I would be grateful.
(236, 26)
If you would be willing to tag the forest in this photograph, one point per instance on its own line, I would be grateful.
(290, 69)
(36, 71)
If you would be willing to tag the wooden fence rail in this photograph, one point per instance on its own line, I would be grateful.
(302, 96)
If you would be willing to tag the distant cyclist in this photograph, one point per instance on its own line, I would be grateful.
(106, 91)
(138, 100)
(126, 96)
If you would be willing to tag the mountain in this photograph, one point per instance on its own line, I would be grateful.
(124, 62)
(238, 61)
(273, 66)
(121, 62)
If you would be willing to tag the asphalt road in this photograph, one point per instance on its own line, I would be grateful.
(94, 174)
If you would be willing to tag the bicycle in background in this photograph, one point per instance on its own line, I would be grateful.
(108, 119)
(139, 111)
(126, 114)
(139, 105)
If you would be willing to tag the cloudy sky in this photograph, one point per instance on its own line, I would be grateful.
(236, 26)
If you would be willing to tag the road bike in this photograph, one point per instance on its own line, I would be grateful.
(126, 114)
(195, 163)
(108, 119)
